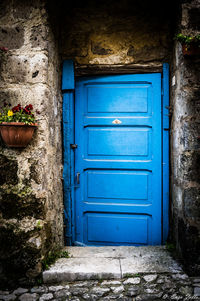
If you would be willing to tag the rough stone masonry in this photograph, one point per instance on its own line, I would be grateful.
(31, 201)
(149, 287)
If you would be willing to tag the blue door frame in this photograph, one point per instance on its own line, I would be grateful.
(68, 88)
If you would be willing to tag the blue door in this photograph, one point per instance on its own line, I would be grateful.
(118, 189)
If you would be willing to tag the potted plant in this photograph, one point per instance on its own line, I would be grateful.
(190, 44)
(17, 124)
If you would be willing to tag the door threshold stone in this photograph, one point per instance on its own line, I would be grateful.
(87, 263)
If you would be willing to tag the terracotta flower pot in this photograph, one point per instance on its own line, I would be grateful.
(190, 50)
(16, 134)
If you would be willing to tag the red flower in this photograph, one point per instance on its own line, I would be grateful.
(15, 109)
(26, 111)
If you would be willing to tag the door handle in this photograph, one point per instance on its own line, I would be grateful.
(78, 177)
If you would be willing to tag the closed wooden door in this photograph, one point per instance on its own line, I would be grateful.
(118, 160)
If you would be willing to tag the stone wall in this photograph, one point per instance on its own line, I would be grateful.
(116, 32)
(185, 141)
(31, 199)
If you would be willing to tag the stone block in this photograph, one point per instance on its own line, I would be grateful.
(192, 202)
(197, 291)
(20, 291)
(12, 37)
(9, 168)
(38, 37)
(25, 69)
(190, 166)
(135, 280)
(28, 297)
(45, 297)
(150, 278)
(190, 134)
(21, 204)
(76, 269)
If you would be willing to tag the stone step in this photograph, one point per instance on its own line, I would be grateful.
(110, 263)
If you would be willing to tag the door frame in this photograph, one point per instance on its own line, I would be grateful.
(68, 91)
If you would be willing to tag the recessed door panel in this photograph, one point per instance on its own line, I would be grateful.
(117, 185)
(117, 98)
(112, 229)
(118, 141)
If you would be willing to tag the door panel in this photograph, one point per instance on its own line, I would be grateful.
(116, 186)
(118, 133)
(109, 228)
(121, 141)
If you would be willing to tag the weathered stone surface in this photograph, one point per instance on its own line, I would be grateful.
(20, 291)
(39, 36)
(9, 169)
(110, 282)
(148, 297)
(186, 290)
(9, 297)
(135, 280)
(96, 290)
(185, 145)
(197, 291)
(46, 297)
(78, 290)
(117, 289)
(180, 276)
(25, 69)
(132, 291)
(66, 293)
(99, 291)
(19, 205)
(28, 297)
(57, 288)
(150, 278)
(40, 289)
(106, 263)
(78, 269)
(97, 48)
(31, 195)
(110, 34)
(196, 280)
(11, 37)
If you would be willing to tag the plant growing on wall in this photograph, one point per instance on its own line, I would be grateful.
(190, 44)
(17, 124)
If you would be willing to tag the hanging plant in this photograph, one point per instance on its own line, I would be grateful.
(17, 124)
(190, 44)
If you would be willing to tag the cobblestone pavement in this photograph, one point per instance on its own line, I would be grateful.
(146, 287)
